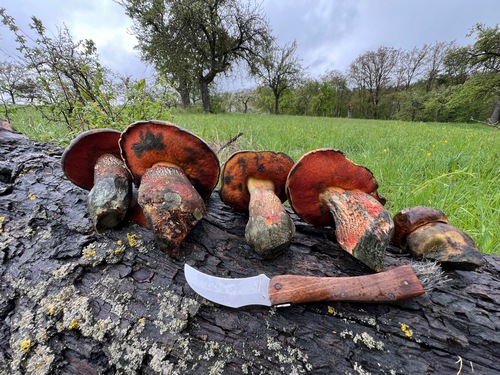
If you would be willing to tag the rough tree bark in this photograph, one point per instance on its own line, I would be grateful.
(73, 301)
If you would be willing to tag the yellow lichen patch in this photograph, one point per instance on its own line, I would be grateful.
(74, 324)
(331, 310)
(51, 310)
(141, 320)
(406, 329)
(25, 345)
(132, 239)
(31, 197)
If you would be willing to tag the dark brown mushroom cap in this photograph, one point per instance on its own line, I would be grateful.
(80, 157)
(409, 219)
(146, 143)
(262, 165)
(319, 170)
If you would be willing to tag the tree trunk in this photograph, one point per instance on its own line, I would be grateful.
(185, 96)
(495, 116)
(205, 95)
(73, 301)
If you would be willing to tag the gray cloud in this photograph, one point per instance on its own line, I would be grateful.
(330, 33)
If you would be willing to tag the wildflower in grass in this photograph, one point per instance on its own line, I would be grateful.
(429, 154)
(385, 150)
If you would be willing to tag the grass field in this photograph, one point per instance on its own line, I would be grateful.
(451, 167)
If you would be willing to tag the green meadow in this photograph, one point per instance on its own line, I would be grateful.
(453, 167)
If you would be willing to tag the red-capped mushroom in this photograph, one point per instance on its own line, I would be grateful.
(92, 161)
(175, 171)
(326, 188)
(426, 233)
(254, 182)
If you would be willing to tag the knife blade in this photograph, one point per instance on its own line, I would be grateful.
(387, 286)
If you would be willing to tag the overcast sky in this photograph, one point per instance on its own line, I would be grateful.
(330, 34)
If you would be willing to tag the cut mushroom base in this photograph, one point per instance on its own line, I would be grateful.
(326, 188)
(110, 197)
(254, 182)
(171, 205)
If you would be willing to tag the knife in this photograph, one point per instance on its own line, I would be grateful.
(388, 286)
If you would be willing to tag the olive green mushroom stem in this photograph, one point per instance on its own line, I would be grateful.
(171, 205)
(270, 228)
(363, 226)
(111, 194)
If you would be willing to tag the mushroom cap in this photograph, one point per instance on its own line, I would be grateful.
(145, 143)
(409, 219)
(80, 157)
(262, 165)
(319, 170)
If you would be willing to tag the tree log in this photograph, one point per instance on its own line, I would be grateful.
(73, 301)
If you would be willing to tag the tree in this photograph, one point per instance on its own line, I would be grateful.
(373, 73)
(485, 54)
(279, 69)
(435, 62)
(68, 73)
(410, 65)
(196, 40)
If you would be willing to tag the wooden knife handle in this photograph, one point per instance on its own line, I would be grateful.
(393, 285)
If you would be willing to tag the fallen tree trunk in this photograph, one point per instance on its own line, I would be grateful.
(76, 302)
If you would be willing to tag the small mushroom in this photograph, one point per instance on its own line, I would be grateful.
(254, 182)
(92, 161)
(325, 188)
(426, 233)
(175, 171)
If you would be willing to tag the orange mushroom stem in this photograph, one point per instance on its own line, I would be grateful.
(269, 228)
(361, 223)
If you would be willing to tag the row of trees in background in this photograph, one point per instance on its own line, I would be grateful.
(438, 82)
(192, 43)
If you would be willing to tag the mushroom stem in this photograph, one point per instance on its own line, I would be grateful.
(269, 229)
(171, 205)
(363, 226)
(110, 197)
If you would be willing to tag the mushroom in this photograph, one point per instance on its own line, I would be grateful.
(175, 171)
(254, 182)
(92, 161)
(325, 188)
(426, 233)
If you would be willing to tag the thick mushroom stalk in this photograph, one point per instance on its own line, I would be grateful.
(254, 182)
(269, 228)
(326, 188)
(171, 205)
(109, 198)
(425, 232)
(363, 227)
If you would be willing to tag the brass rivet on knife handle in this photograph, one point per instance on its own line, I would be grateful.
(392, 285)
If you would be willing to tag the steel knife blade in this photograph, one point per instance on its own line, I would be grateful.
(387, 286)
